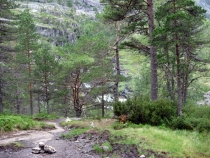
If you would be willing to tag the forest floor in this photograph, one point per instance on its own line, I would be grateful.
(77, 147)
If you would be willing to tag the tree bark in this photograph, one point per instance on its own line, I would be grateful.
(102, 104)
(30, 84)
(153, 58)
(38, 100)
(31, 99)
(1, 99)
(46, 93)
(179, 105)
(17, 102)
(116, 84)
(185, 83)
(169, 75)
(75, 86)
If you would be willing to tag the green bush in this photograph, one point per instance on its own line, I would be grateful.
(181, 122)
(193, 118)
(10, 122)
(120, 108)
(142, 110)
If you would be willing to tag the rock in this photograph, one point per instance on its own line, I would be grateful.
(92, 125)
(42, 151)
(41, 145)
(105, 148)
(49, 149)
(142, 156)
(68, 120)
(36, 150)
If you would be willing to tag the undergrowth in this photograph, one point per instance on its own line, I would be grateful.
(45, 116)
(20, 122)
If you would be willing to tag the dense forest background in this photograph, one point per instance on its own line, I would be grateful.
(68, 56)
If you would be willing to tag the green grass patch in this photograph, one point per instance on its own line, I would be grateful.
(46, 126)
(75, 132)
(97, 148)
(20, 122)
(18, 144)
(105, 147)
(45, 116)
(176, 143)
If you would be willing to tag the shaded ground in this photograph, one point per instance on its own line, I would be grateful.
(77, 147)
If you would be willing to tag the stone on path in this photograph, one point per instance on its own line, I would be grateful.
(41, 145)
(49, 149)
(36, 150)
(43, 149)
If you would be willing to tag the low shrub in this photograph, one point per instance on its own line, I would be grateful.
(142, 110)
(11, 122)
(193, 118)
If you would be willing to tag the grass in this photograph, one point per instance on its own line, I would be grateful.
(45, 116)
(14, 145)
(75, 132)
(20, 122)
(97, 148)
(18, 144)
(175, 143)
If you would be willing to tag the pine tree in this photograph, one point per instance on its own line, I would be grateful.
(86, 62)
(138, 14)
(45, 71)
(179, 23)
(102, 75)
(27, 47)
(7, 32)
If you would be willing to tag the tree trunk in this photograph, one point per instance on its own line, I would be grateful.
(38, 100)
(17, 102)
(78, 112)
(178, 81)
(30, 84)
(179, 105)
(169, 76)
(1, 99)
(186, 78)
(102, 104)
(31, 99)
(75, 86)
(153, 58)
(46, 93)
(116, 84)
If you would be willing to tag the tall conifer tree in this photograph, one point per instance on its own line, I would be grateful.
(27, 46)
(139, 15)
(7, 32)
(180, 22)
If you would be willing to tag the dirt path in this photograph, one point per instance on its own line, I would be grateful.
(31, 138)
